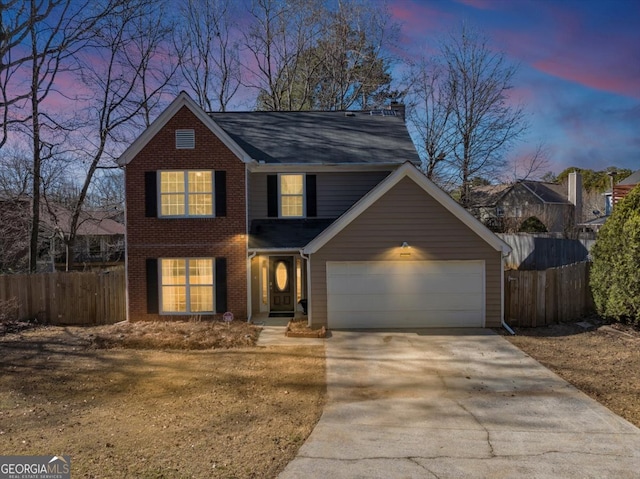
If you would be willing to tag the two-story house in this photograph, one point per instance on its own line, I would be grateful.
(258, 213)
(508, 207)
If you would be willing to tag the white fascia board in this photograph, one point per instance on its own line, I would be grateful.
(410, 171)
(256, 167)
(182, 100)
(295, 251)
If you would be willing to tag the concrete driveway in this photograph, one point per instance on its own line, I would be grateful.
(457, 404)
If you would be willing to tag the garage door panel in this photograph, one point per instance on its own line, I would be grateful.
(381, 319)
(410, 302)
(405, 294)
(397, 283)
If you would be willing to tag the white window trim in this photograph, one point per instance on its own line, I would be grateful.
(188, 293)
(186, 194)
(304, 195)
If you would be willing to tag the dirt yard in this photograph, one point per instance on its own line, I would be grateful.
(235, 412)
(603, 361)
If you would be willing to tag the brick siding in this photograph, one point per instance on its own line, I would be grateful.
(183, 238)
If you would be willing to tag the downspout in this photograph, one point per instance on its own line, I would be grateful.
(504, 324)
(308, 260)
(246, 240)
(249, 311)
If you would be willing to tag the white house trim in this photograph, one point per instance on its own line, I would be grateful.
(407, 170)
(182, 100)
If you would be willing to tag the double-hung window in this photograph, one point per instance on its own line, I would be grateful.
(187, 285)
(186, 193)
(292, 195)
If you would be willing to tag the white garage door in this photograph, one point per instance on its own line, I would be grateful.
(400, 294)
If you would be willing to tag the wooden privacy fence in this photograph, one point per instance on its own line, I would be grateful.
(72, 298)
(539, 298)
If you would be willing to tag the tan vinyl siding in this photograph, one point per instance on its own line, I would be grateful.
(336, 192)
(406, 213)
(257, 195)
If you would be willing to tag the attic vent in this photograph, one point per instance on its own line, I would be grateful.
(185, 139)
(382, 113)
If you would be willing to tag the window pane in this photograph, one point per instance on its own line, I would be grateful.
(174, 271)
(291, 184)
(282, 277)
(172, 205)
(201, 299)
(171, 181)
(174, 299)
(201, 271)
(200, 182)
(291, 206)
(200, 205)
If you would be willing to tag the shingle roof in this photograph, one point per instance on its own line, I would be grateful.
(487, 195)
(548, 192)
(326, 137)
(285, 233)
(633, 179)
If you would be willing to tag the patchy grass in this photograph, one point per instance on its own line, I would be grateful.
(604, 362)
(192, 335)
(234, 411)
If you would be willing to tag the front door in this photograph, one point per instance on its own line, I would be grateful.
(281, 283)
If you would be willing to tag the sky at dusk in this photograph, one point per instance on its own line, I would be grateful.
(579, 69)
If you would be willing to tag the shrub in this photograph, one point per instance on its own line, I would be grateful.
(615, 278)
(532, 225)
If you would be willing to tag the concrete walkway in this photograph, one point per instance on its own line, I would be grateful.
(456, 404)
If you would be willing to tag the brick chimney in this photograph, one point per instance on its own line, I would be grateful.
(575, 195)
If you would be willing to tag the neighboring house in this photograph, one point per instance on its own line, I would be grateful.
(100, 236)
(504, 208)
(623, 188)
(255, 212)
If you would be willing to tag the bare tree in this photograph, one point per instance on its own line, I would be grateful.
(279, 34)
(533, 165)
(486, 124)
(429, 111)
(210, 60)
(118, 97)
(354, 68)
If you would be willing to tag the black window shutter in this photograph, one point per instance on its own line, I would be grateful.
(150, 194)
(221, 285)
(312, 208)
(220, 186)
(152, 286)
(272, 196)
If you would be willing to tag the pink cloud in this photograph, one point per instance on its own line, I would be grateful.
(602, 78)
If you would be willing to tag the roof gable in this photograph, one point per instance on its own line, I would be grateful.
(407, 170)
(183, 100)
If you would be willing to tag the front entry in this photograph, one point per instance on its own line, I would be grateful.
(281, 283)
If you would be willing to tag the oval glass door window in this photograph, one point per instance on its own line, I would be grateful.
(282, 276)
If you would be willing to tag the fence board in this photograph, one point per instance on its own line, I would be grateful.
(75, 298)
(539, 298)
